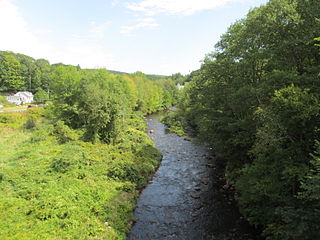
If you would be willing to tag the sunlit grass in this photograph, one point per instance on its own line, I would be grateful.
(74, 190)
(14, 108)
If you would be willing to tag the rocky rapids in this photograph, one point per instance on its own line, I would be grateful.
(186, 199)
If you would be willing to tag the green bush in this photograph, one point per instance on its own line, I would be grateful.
(175, 122)
(13, 119)
(31, 123)
(135, 168)
(4, 118)
(3, 100)
(41, 96)
(60, 165)
(255, 100)
(63, 133)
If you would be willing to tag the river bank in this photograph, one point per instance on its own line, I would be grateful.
(185, 200)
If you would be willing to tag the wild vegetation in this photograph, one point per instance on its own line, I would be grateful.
(256, 100)
(73, 169)
(175, 122)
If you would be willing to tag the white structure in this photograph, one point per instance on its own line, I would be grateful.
(21, 98)
(180, 86)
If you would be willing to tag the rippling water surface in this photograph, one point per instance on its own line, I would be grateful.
(183, 201)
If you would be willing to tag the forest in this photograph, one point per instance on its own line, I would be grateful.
(73, 169)
(255, 99)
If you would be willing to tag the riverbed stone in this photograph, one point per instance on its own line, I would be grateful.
(170, 207)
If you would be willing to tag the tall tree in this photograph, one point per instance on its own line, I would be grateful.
(10, 73)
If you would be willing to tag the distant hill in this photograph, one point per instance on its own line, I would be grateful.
(118, 72)
(156, 77)
(149, 76)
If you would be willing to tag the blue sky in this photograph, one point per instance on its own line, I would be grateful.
(152, 36)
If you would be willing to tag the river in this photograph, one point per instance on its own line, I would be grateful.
(184, 199)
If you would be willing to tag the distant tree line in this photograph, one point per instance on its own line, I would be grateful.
(256, 100)
(103, 103)
(19, 72)
(91, 99)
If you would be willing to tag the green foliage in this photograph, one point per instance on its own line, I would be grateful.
(174, 121)
(21, 72)
(131, 171)
(13, 120)
(30, 123)
(10, 77)
(311, 182)
(300, 218)
(3, 100)
(317, 39)
(103, 106)
(256, 101)
(63, 133)
(177, 78)
(60, 165)
(41, 96)
(55, 186)
(102, 103)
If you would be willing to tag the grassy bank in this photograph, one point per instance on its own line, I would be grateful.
(53, 185)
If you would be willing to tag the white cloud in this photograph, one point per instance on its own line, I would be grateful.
(148, 22)
(177, 7)
(17, 36)
(151, 8)
(14, 30)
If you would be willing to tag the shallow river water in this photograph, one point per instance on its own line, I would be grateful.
(183, 201)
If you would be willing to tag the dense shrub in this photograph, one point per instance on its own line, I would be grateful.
(175, 122)
(30, 123)
(256, 101)
(63, 133)
(41, 96)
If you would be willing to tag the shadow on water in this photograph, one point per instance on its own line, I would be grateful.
(184, 200)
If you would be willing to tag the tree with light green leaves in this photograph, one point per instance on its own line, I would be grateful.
(10, 73)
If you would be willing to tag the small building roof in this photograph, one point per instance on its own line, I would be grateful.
(25, 93)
